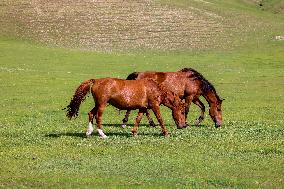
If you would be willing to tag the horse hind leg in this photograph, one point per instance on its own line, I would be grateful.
(157, 112)
(99, 114)
(137, 122)
(188, 101)
(90, 128)
(125, 119)
(151, 122)
(202, 108)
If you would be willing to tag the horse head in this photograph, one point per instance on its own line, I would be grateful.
(215, 112)
(209, 93)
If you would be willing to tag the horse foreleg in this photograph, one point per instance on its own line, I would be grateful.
(99, 114)
(202, 108)
(188, 101)
(157, 112)
(125, 119)
(90, 128)
(151, 122)
(137, 122)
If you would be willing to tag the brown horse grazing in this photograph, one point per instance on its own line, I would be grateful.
(189, 85)
(126, 95)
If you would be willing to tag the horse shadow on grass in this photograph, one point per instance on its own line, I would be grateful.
(199, 126)
(126, 134)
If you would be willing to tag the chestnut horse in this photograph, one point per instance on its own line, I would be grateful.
(189, 85)
(126, 95)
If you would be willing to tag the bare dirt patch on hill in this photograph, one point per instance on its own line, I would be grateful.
(115, 25)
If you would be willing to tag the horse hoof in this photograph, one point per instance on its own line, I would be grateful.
(167, 135)
(88, 133)
(217, 126)
(152, 124)
(134, 133)
(103, 137)
(197, 122)
(123, 126)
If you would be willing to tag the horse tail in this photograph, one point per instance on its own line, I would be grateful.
(73, 108)
(132, 76)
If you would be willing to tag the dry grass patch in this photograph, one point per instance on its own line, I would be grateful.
(123, 25)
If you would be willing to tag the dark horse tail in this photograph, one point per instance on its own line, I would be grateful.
(73, 108)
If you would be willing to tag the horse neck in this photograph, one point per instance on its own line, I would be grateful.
(166, 101)
(211, 97)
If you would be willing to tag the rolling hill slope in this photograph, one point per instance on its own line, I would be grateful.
(135, 25)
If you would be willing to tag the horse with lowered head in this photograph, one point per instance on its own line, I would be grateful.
(188, 84)
(126, 95)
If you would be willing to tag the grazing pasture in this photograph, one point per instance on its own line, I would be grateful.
(41, 148)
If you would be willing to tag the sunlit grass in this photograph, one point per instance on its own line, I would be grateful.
(41, 148)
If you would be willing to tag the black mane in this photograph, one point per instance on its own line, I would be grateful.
(206, 85)
(132, 76)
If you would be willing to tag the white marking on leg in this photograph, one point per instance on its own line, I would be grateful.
(101, 133)
(90, 129)
(123, 126)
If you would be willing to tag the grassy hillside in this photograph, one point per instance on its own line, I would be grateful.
(235, 48)
(141, 25)
(275, 6)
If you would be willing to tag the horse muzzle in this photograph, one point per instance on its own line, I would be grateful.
(217, 124)
(182, 126)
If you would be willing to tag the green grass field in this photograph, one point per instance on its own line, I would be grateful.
(40, 148)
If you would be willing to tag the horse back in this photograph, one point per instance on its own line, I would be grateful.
(123, 94)
(172, 81)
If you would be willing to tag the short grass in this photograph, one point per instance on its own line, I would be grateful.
(40, 148)
(275, 6)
